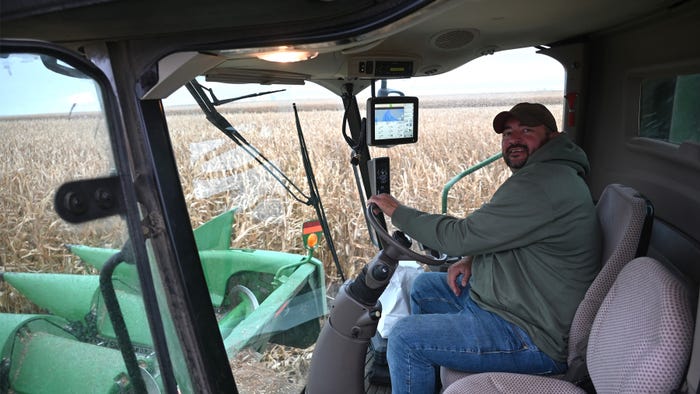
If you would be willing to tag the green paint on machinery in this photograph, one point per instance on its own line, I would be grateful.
(259, 296)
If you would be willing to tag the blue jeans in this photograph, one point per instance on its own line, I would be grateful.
(454, 332)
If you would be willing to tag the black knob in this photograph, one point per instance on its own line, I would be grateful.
(75, 203)
(380, 272)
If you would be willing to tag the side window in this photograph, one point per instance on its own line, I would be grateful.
(56, 331)
(669, 110)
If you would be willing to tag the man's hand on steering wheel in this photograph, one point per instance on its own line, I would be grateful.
(386, 203)
(392, 247)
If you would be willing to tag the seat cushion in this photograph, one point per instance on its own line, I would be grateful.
(642, 335)
(511, 383)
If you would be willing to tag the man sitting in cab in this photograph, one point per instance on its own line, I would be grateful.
(531, 253)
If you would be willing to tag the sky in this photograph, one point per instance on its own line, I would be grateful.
(27, 87)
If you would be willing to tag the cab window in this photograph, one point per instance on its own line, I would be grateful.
(59, 227)
(669, 109)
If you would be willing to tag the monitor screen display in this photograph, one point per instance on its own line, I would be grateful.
(392, 120)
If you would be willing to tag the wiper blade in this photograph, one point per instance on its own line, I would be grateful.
(216, 101)
(218, 120)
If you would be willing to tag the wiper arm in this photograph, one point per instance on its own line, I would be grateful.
(217, 102)
(218, 120)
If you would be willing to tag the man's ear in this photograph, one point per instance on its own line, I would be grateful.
(552, 134)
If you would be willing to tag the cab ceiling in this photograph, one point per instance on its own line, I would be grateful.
(436, 35)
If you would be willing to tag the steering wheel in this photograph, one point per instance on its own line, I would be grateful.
(393, 248)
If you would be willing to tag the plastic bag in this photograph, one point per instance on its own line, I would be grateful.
(396, 301)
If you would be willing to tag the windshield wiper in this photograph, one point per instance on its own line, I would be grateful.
(208, 107)
(214, 116)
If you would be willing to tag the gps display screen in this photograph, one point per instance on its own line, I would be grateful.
(392, 120)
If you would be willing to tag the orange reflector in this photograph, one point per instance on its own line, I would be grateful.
(312, 240)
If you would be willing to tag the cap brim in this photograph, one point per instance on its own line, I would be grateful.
(499, 122)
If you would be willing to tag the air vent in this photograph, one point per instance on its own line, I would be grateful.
(430, 70)
(453, 39)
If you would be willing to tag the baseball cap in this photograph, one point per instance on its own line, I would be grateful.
(529, 114)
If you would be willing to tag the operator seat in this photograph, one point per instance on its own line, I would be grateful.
(625, 218)
(640, 341)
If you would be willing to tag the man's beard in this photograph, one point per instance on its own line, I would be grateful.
(520, 163)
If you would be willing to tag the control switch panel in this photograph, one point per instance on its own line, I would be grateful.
(379, 175)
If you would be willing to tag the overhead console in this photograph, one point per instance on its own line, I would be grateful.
(381, 67)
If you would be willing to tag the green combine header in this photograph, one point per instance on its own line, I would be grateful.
(259, 296)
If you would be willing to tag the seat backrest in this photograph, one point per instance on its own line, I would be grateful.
(625, 218)
(641, 338)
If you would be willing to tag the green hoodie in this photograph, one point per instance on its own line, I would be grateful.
(536, 244)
